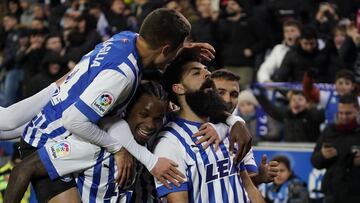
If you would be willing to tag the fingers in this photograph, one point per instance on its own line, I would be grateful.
(164, 182)
(263, 159)
(209, 142)
(203, 139)
(173, 163)
(122, 177)
(199, 133)
(208, 53)
(172, 180)
(217, 143)
(177, 172)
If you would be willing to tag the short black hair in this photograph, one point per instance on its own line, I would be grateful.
(10, 15)
(346, 74)
(308, 32)
(225, 74)
(175, 71)
(349, 99)
(150, 88)
(282, 159)
(163, 26)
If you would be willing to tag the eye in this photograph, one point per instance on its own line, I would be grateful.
(143, 114)
(234, 94)
(221, 92)
(196, 73)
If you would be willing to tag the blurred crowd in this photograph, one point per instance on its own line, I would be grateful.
(281, 50)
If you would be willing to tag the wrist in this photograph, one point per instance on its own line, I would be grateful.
(231, 120)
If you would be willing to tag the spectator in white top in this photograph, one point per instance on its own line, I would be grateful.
(291, 32)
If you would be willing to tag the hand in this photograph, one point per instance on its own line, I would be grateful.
(209, 135)
(165, 170)
(204, 50)
(267, 172)
(357, 159)
(125, 163)
(247, 52)
(240, 135)
(328, 152)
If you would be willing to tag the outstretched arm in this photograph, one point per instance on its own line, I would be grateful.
(22, 112)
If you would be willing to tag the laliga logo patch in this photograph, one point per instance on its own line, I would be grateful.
(103, 102)
(60, 150)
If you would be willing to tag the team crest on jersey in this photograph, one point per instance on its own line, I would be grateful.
(60, 150)
(103, 102)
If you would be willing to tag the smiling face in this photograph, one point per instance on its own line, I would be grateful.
(146, 117)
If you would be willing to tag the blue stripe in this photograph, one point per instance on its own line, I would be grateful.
(32, 136)
(96, 177)
(222, 182)
(111, 187)
(190, 185)
(203, 156)
(80, 183)
(231, 178)
(162, 190)
(44, 157)
(251, 168)
(188, 151)
(87, 111)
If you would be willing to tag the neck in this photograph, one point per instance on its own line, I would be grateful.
(187, 114)
(146, 54)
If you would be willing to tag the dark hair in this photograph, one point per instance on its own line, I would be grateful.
(308, 32)
(10, 15)
(295, 92)
(149, 88)
(349, 99)
(282, 159)
(225, 74)
(292, 23)
(175, 71)
(52, 35)
(346, 74)
(163, 26)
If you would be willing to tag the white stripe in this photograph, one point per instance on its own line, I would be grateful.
(127, 71)
(132, 59)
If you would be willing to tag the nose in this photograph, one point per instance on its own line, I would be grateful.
(206, 73)
(150, 124)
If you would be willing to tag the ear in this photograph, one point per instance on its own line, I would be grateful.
(166, 49)
(178, 89)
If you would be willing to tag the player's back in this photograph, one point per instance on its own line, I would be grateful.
(211, 175)
(116, 56)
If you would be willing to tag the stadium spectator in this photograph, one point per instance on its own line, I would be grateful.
(301, 122)
(241, 38)
(328, 98)
(291, 32)
(204, 28)
(287, 187)
(26, 15)
(262, 127)
(326, 19)
(338, 151)
(303, 57)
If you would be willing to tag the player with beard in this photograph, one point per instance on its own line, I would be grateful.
(211, 176)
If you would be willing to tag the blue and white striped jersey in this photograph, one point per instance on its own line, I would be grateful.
(211, 175)
(97, 184)
(104, 78)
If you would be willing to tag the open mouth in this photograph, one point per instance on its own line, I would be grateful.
(145, 133)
